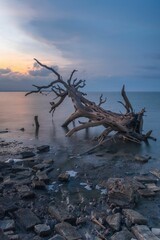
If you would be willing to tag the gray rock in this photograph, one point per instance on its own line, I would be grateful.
(41, 166)
(27, 154)
(43, 148)
(145, 179)
(146, 192)
(60, 213)
(42, 230)
(42, 176)
(3, 236)
(142, 159)
(114, 221)
(7, 225)
(152, 187)
(27, 218)
(38, 184)
(156, 231)
(57, 237)
(142, 232)
(122, 192)
(64, 177)
(124, 234)
(134, 217)
(67, 231)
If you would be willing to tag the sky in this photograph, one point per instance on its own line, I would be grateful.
(109, 42)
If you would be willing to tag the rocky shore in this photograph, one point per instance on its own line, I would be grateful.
(44, 197)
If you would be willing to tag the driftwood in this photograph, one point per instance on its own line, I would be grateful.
(127, 126)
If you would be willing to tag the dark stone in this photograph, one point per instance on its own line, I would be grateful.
(27, 154)
(3, 236)
(142, 232)
(134, 217)
(27, 218)
(38, 184)
(67, 231)
(64, 177)
(60, 213)
(57, 237)
(145, 179)
(122, 192)
(146, 193)
(114, 221)
(7, 225)
(42, 230)
(124, 234)
(43, 148)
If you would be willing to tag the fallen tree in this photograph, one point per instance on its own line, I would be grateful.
(127, 126)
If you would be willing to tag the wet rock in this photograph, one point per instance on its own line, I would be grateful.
(42, 176)
(134, 217)
(60, 213)
(124, 234)
(8, 204)
(38, 184)
(27, 154)
(6, 225)
(22, 188)
(43, 148)
(27, 218)
(67, 231)
(3, 236)
(142, 159)
(64, 177)
(2, 212)
(146, 193)
(28, 195)
(152, 187)
(42, 230)
(57, 237)
(142, 232)
(114, 221)
(156, 172)
(145, 179)
(121, 192)
(156, 231)
(41, 166)
(14, 237)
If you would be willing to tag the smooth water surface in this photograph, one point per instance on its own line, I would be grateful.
(18, 111)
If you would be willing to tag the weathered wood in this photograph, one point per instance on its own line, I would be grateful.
(126, 126)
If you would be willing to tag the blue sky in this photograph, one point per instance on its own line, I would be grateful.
(110, 42)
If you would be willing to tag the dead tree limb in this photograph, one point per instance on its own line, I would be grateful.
(127, 126)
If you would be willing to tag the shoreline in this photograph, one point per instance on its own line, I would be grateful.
(59, 186)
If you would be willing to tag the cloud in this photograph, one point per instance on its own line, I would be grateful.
(4, 71)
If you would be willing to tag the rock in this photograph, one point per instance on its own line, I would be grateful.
(57, 237)
(145, 179)
(22, 188)
(121, 192)
(7, 225)
(142, 159)
(2, 212)
(28, 195)
(60, 213)
(124, 234)
(42, 230)
(27, 218)
(41, 166)
(42, 176)
(142, 232)
(156, 172)
(153, 187)
(43, 148)
(134, 217)
(64, 177)
(114, 221)
(146, 193)
(38, 184)
(14, 237)
(3, 236)
(22, 129)
(27, 154)
(67, 231)
(156, 231)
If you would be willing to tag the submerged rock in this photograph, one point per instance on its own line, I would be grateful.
(134, 217)
(142, 232)
(43, 148)
(67, 231)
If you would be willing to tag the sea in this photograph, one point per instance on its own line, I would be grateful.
(17, 112)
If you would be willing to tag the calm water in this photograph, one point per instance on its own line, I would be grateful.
(18, 111)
